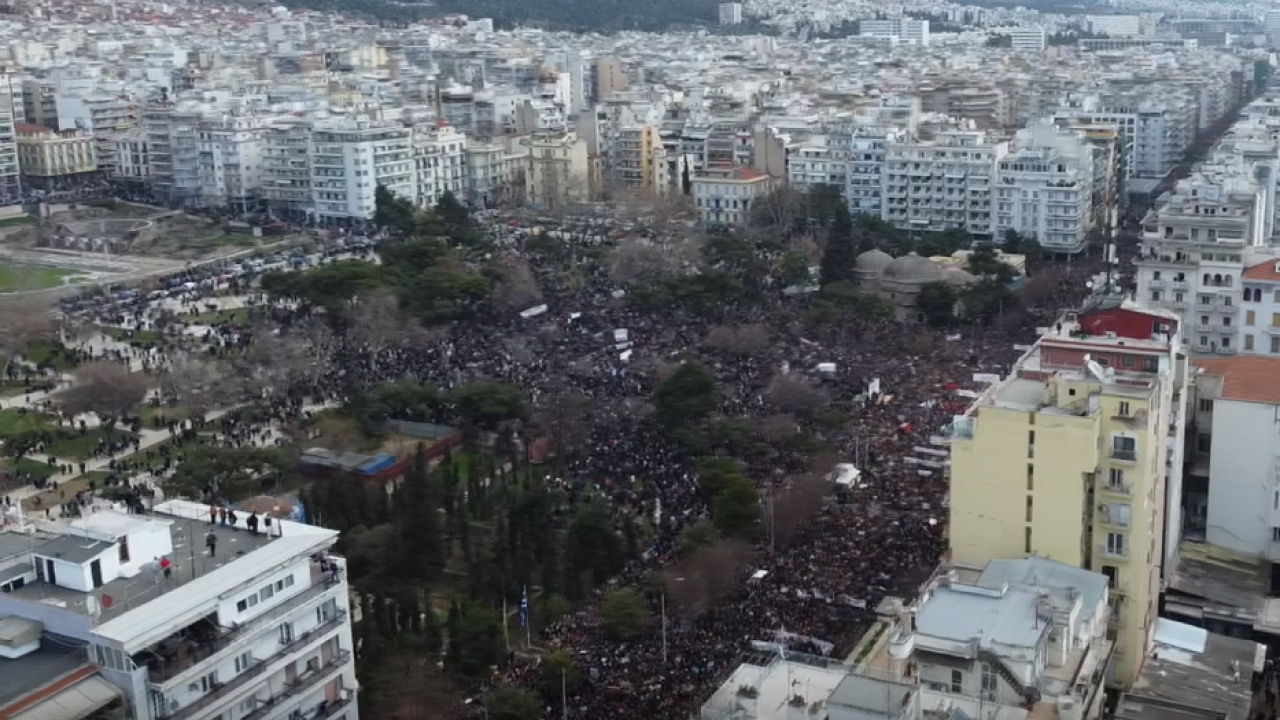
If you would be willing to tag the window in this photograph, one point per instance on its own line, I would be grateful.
(1204, 442)
(957, 681)
(247, 705)
(286, 633)
(266, 593)
(990, 683)
(1126, 361)
(1275, 534)
(1275, 345)
(1027, 540)
(248, 602)
(1124, 448)
(1116, 544)
(1031, 477)
(124, 550)
(1206, 405)
(1122, 409)
(243, 662)
(1116, 514)
(1113, 575)
(1248, 342)
(208, 682)
(1250, 318)
(1029, 508)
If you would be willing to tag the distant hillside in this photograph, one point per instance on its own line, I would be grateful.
(584, 15)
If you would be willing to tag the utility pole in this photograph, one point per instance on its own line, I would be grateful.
(564, 695)
(664, 628)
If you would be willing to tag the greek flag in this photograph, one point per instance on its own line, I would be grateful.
(524, 608)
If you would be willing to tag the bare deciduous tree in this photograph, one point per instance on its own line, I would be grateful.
(707, 577)
(201, 385)
(376, 322)
(516, 288)
(106, 389)
(792, 393)
(636, 262)
(743, 340)
(795, 506)
(562, 414)
(24, 319)
(777, 428)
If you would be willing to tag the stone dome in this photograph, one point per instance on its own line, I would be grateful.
(873, 261)
(911, 268)
(956, 276)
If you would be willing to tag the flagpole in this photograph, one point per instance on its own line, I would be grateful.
(506, 633)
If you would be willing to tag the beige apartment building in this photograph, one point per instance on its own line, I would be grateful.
(610, 77)
(48, 158)
(559, 172)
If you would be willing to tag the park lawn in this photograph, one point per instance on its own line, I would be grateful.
(14, 278)
(10, 388)
(52, 498)
(17, 221)
(42, 352)
(147, 412)
(71, 445)
(14, 421)
(232, 315)
(131, 336)
(28, 466)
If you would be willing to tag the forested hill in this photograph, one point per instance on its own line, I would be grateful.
(584, 15)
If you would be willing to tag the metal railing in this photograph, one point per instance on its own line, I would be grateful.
(255, 671)
(1124, 455)
(161, 672)
(1119, 553)
(304, 682)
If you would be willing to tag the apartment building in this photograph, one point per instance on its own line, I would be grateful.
(723, 195)
(610, 78)
(730, 13)
(53, 160)
(258, 628)
(350, 158)
(11, 114)
(439, 164)
(1259, 330)
(944, 182)
(1045, 189)
(495, 172)
(559, 172)
(1070, 458)
(1157, 124)
(231, 162)
(639, 161)
(864, 187)
(1192, 253)
(286, 168)
(1028, 39)
(133, 162)
(905, 30)
(102, 114)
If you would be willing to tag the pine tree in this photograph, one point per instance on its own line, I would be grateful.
(418, 530)
(840, 254)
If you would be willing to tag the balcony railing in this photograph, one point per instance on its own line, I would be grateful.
(304, 682)
(1119, 488)
(257, 668)
(1117, 553)
(1124, 455)
(161, 672)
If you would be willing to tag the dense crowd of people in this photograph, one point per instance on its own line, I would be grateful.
(897, 386)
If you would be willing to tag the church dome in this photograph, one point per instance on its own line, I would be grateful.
(912, 268)
(956, 276)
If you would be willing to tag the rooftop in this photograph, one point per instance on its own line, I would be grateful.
(190, 562)
(22, 676)
(1192, 674)
(1247, 378)
(1212, 581)
(1268, 270)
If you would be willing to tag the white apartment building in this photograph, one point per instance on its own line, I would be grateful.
(1259, 330)
(816, 161)
(256, 629)
(350, 159)
(724, 195)
(1192, 255)
(1044, 188)
(946, 182)
(730, 13)
(864, 187)
(103, 114)
(439, 164)
(1158, 130)
(1028, 38)
(559, 172)
(286, 168)
(1237, 404)
(231, 162)
(132, 161)
(10, 114)
(1116, 26)
(904, 30)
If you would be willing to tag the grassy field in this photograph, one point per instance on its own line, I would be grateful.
(18, 221)
(131, 336)
(15, 278)
(39, 353)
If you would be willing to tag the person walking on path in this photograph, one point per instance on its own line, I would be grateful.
(211, 542)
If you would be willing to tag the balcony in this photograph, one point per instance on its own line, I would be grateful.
(1119, 488)
(1124, 455)
(255, 671)
(1273, 330)
(304, 682)
(1114, 553)
(1155, 284)
(1180, 285)
(1204, 328)
(161, 671)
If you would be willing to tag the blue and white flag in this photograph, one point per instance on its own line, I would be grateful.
(524, 607)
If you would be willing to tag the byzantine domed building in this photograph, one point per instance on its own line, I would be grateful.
(899, 280)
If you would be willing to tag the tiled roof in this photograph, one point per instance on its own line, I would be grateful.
(1264, 271)
(1247, 378)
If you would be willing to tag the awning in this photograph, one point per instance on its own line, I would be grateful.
(73, 702)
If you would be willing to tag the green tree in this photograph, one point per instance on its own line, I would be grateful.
(1012, 242)
(736, 508)
(507, 702)
(395, 215)
(593, 549)
(841, 253)
(479, 638)
(623, 614)
(559, 668)
(225, 472)
(986, 262)
(793, 269)
(937, 300)
(485, 405)
(988, 299)
(687, 397)
(420, 551)
(458, 223)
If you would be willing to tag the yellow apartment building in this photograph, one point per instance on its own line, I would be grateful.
(47, 156)
(1069, 458)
